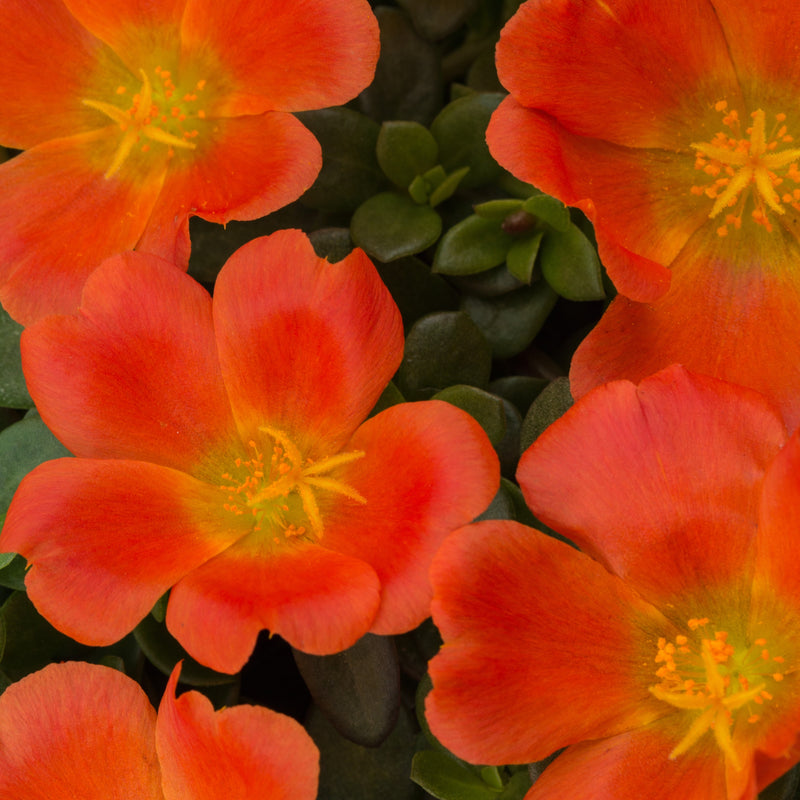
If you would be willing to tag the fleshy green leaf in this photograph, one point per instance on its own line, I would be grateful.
(13, 392)
(497, 210)
(446, 779)
(473, 245)
(553, 401)
(390, 226)
(522, 255)
(405, 150)
(444, 191)
(486, 408)
(549, 210)
(439, 18)
(570, 265)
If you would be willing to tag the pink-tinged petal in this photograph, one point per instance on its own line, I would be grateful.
(642, 220)
(321, 602)
(77, 730)
(41, 96)
(528, 665)
(105, 539)
(285, 56)
(667, 473)
(242, 169)
(59, 218)
(135, 373)
(428, 468)
(621, 70)
(306, 346)
(239, 753)
(634, 765)
(137, 30)
(730, 313)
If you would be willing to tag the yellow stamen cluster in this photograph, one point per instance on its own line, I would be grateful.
(761, 162)
(708, 675)
(278, 491)
(155, 114)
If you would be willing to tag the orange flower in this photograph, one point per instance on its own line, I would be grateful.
(76, 730)
(222, 451)
(664, 657)
(676, 129)
(137, 115)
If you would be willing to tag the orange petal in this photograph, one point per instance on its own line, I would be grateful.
(45, 58)
(76, 730)
(619, 70)
(306, 346)
(242, 169)
(321, 602)
(105, 539)
(240, 752)
(635, 765)
(59, 218)
(285, 56)
(651, 479)
(731, 312)
(137, 30)
(543, 648)
(428, 469)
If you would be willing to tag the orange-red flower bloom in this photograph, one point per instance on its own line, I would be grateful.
(222, 451)
(676, 128)
(664, 657)
(76, 730)
(137, 115)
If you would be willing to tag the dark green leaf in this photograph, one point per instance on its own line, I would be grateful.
(497, 210)
(551, 404)
(570, 265)
(13, 392)
(405, 150)
(444, 191)
(435, 19)
(390, 226)
(446, 779)
(473, 245)
(486, 408)
(522, 255)
(548, 210)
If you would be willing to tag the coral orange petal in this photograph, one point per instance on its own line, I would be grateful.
(321, 602)
(746, 333)
(428, 469)
(648, 502)
(135, 29)
(39, 95)
(47, 196)
(135, 373)
(285, 56)
(619, 71)
(105, 539)
(634, 765)
(646, 194)
(239, 753)
(77, 730)
(306, 346)
(526, 656)
(243, 169)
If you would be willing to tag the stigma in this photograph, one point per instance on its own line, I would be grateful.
(160, 114)
(716, 682)
(279, 487)
(748, 165)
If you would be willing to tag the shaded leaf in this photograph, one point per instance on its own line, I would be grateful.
(473, 245)
(485, 408)
(405, 150)
(553, 401)
(13, 392)
(569, 263)
(522, 256)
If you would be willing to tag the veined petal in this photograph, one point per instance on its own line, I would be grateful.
(59, 218)
(105, 539)
(428, 468)
(135, 373)
(285, 56)
(134, 29)
(242, 169)
(621, 70)
(729, 313)
(241, 752)
(529, 665)
(306, 346)
(635, 764)
(41, 96)
(660, 483)
(321, 602)
(77, 730)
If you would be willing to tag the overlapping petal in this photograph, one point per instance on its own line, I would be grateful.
(135, 373)
(233, 754)
(105, 539)
(529, 666)
(646, 493)
(305, 344)
(320, 601)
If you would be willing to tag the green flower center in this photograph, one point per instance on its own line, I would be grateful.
(278, 488)
(712, 679)
(734, 162)
(158, 112)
